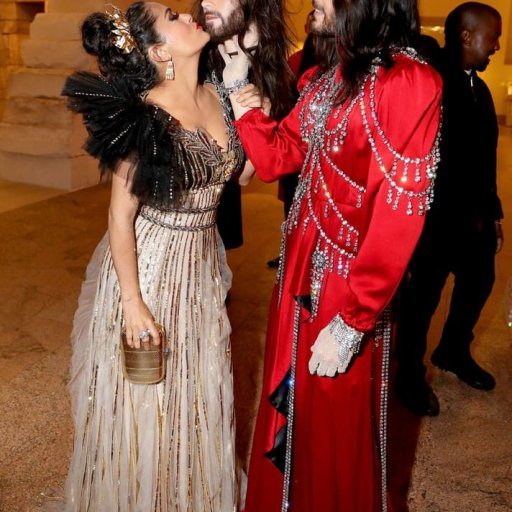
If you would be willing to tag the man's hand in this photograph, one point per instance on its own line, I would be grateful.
(250, 96)
(324, 360)
(334, 348)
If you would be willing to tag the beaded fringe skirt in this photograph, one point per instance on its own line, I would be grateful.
(168, 446)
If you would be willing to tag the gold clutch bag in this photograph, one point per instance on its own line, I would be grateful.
(145, 365)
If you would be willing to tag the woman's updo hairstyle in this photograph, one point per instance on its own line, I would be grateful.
(115, 63)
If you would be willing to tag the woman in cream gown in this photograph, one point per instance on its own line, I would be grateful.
(166, 446)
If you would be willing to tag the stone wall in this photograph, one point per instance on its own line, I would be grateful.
(40, 140)
(15, 18)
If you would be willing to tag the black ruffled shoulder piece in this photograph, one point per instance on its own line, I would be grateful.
(121, 126)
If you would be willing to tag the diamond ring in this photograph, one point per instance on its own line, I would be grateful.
(145, 333)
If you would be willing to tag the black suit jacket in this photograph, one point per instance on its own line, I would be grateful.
(465, 189)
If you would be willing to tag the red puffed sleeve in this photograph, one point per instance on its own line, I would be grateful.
(274, 149)
(407, 99)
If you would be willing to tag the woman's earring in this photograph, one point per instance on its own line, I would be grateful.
(169, 71)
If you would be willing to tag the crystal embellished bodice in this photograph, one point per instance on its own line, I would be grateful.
(207, 167)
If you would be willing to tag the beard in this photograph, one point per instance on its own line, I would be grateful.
(323, 29)
(234, 25)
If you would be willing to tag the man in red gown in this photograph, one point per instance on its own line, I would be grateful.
(365, 135)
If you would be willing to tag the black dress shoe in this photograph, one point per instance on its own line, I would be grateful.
(466, 369)
(273, 263)
(418, 397)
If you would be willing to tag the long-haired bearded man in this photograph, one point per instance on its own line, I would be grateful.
(269, 71)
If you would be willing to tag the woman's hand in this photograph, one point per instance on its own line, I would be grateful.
(236, 60)
(139, 323)
(250, 96)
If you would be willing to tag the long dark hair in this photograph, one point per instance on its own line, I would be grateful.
(114, 64)
(121, 126)
(269, 66)
(366, 29)
(318, 50)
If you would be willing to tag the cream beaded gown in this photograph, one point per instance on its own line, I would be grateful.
(169, 446)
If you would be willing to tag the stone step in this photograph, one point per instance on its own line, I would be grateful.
(57, 26)
(10, 10)
(57, 172)
(34, 82)
(54, 54)
(41, 141)
(38, 111)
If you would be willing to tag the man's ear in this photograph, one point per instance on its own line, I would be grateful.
(158, 53)
(466, 36)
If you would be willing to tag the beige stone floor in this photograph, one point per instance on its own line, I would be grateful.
(459, 461)
(15, 195)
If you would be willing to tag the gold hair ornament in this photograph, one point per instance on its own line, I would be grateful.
(123, 39)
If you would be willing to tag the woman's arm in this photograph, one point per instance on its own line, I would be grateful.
(247, 173)
(121, 217)
(274, 149)
(248, 97)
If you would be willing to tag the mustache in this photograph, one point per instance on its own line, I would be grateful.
(214, 13)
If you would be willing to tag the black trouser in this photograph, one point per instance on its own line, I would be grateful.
(469, 254)
(289, 184)
(229, 216)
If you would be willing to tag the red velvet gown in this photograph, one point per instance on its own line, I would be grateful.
(367, 176)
